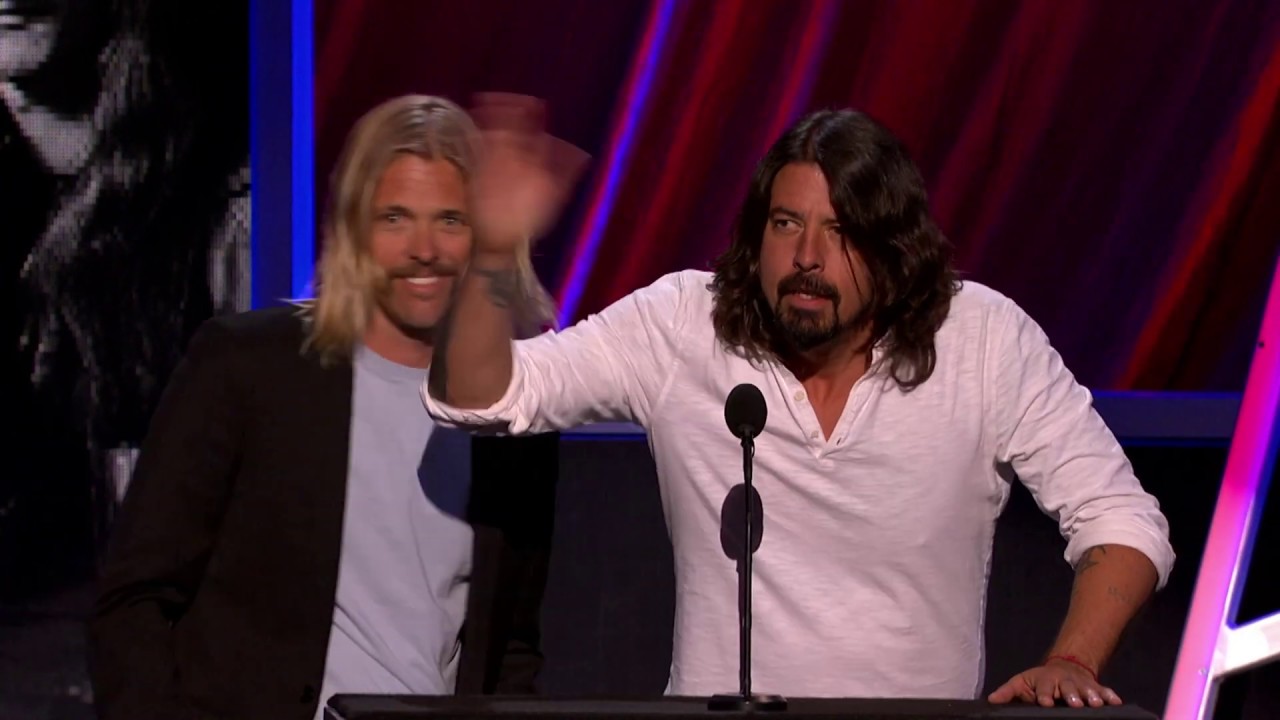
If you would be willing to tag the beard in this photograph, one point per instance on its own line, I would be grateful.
(809, 329)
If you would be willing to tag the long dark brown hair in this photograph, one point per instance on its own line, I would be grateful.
(882, 207)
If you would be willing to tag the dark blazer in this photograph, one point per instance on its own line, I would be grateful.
(217, 593)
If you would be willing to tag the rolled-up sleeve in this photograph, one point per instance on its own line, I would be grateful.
(612, 366)
(1058, 445)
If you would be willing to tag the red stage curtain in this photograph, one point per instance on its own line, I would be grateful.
(1112, 166)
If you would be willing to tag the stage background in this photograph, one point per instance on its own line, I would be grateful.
(1107, 165)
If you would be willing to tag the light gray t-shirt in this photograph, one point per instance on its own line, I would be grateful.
(406, 547)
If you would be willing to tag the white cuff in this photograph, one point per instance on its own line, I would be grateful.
(1130, 534)
(505, 417)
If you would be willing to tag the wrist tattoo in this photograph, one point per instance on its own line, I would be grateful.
(504, 286)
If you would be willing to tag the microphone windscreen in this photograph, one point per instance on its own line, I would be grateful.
(745, 411)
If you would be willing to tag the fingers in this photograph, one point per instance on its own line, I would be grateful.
(511, 126)
(1018, 687)
(1072, 695)
(1047, 694)
(1001, 695)
(508, 100)
(515, 144)
(509, 112)
(523, 177)
(1046, 688)
(1093, 694)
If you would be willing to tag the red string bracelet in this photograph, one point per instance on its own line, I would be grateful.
(1074, 661)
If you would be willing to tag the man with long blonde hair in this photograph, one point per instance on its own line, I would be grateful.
(297, 527)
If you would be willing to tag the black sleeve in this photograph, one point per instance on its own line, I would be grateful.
(164, 534)
(527, 469)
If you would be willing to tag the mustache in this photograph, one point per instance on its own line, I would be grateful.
(411, 270)
(806, 284)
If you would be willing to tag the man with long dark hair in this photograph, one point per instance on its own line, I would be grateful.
(899, 399)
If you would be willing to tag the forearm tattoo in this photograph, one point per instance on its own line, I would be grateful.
(504, 286)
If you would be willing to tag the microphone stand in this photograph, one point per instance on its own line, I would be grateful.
(745, 700)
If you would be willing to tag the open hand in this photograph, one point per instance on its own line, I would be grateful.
(1055, 680)
(524, 176)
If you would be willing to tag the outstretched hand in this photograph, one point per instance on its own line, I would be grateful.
(1056, 680)
(524, 175)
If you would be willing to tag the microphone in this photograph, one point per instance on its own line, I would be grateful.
(745, 413)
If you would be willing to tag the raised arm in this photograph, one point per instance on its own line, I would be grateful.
(609, 367)
(615, 365)
(472, 367)
(1117, 539)
(522, 180)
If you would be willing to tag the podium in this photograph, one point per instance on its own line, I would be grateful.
(413, 707)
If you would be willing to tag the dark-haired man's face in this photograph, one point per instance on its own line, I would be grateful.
(813, 279)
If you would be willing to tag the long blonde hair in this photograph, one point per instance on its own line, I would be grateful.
(348, 280)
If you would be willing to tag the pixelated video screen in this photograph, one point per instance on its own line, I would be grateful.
(124, 194)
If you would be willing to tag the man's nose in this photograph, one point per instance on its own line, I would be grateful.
(808, 257)
(422, 245)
